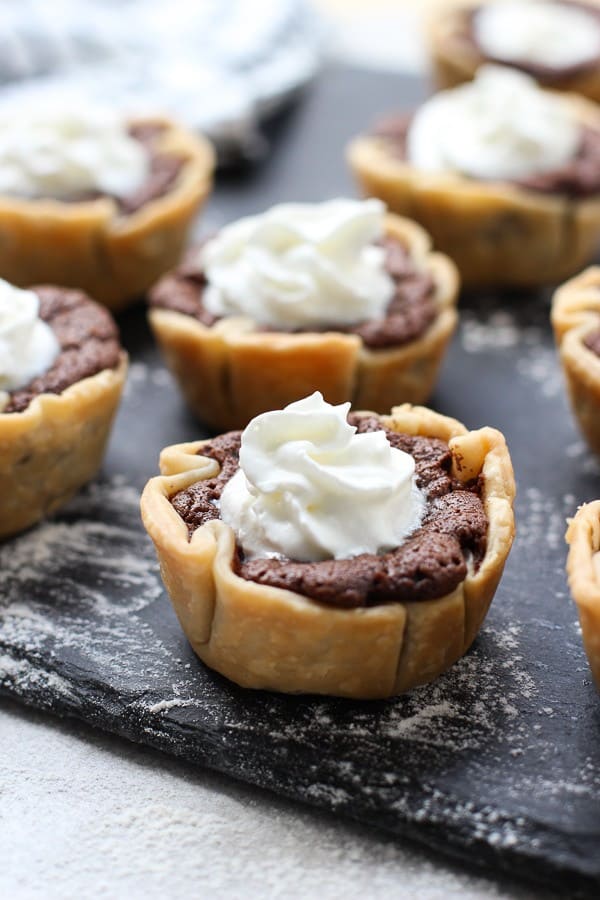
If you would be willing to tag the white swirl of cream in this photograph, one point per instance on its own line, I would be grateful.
(500, 126)
(28, 346)
(301, 265)
(60, 152)
(556, 35)
(310, 488)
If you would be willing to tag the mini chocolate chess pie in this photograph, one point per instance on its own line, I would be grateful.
(371, 625)
(583, 567)
(462, 36)
(576, 322)
(113, 246)
(231, 367)
(54, 426)
(509, 206)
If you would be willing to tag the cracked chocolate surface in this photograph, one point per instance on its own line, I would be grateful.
(410, 312)
(88, 339)
(429, 564)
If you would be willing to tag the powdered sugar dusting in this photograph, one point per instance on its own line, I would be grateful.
(499, 332)
(164, 705)
(540, 365)
(543, 518)
(58, 577)
(502, 330)
(21, 675)
(141, 375)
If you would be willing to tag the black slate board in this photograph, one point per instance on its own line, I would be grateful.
(498, 762)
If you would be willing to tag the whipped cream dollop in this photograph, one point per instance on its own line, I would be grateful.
(557, 35)
(28, 346)
(60, 151)
(301, 265)
(310, 488)
(501, 125)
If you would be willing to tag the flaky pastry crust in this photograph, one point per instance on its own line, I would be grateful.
(266, 637)
(575, 314)
(583, 568)
(497, 233)
(89, 245)
(54, 446)
(230, 372)
(454, 60)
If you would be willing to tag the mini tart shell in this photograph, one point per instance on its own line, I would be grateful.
(266, 637)
(496, 232)
(230, 372)
(113, 257)
(575, 315)
(54, 446)
(583, 569)
(454, 61)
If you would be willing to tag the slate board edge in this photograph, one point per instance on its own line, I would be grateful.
(474, 851)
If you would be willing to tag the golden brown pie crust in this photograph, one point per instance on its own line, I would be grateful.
(56, 445)
(583, 568)
(90, 245)
(230, 372)
(575, 314)
(455, 61)
(496, 232)
(265, 637)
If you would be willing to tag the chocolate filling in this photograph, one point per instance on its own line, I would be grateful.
(592, 342)
(550, 75)
(578, 178)
(409, 314)
(88, 338)
(429, 564)
(164, 169)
